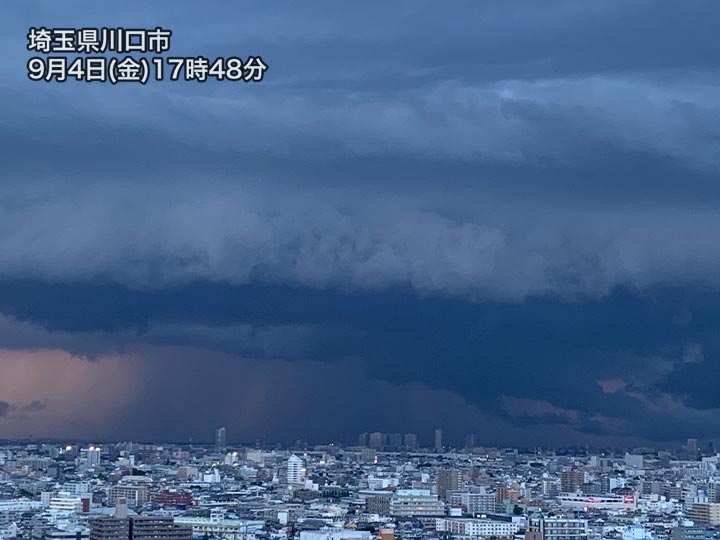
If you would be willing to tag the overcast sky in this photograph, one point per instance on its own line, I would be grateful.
(495, 217)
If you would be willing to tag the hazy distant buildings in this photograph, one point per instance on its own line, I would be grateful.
(411, 441)
(634, 461)
(438, 440)
(394, 441)
(470, 442)
(220, 439)
(376, 440)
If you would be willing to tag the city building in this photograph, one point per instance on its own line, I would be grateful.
(135, 495)
(474, 502)
(294, 470)
(572, 480)
(477, 528)
(416, 503)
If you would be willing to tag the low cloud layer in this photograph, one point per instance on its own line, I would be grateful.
(142, 238)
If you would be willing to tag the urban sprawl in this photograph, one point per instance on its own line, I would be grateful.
(384, 487)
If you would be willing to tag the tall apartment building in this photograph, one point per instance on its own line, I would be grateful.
(571, 480)
(376, 440)
(448, 480)
(294, 470)
(507, 494)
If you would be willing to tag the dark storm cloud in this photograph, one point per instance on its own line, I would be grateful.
(597, 368)
(516, 206)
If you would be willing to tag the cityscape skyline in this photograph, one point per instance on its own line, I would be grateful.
(322, 270)
(135, 491)
(398, 442)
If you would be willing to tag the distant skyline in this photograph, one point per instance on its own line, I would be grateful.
(705, 447)
(500, 218)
